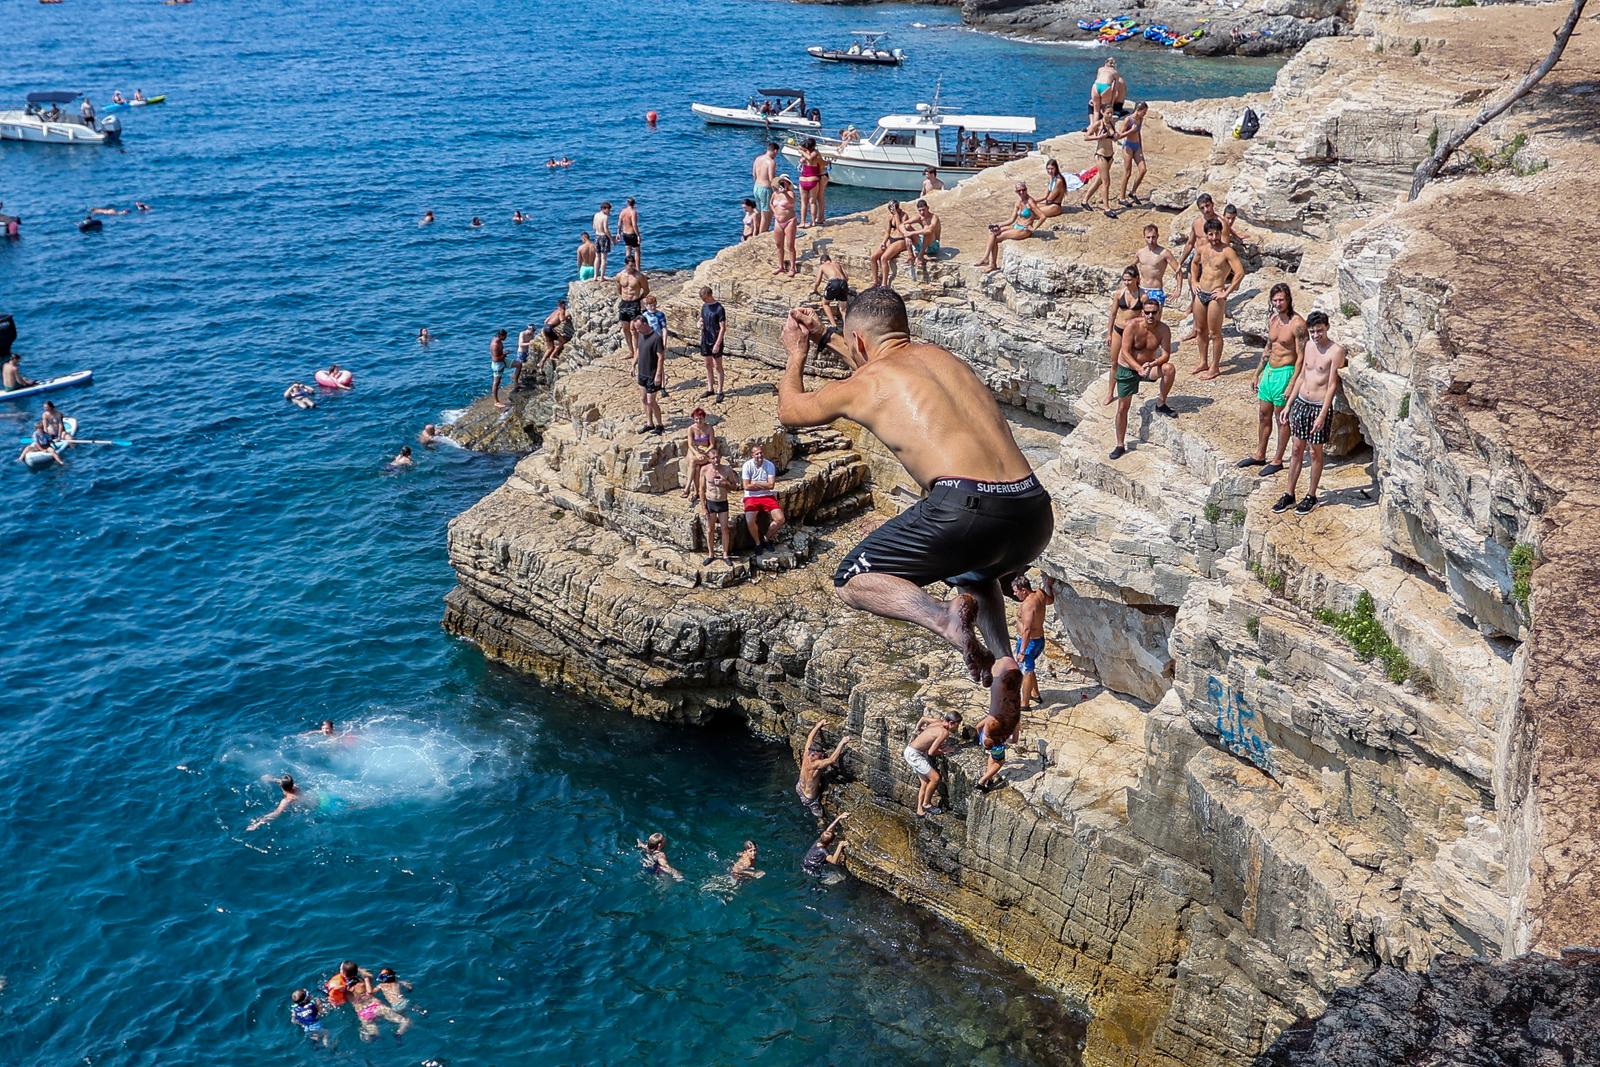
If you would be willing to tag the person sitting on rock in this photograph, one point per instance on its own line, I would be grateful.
(812, 766)
(759, 477)
(700, 440)
(1019, 227)
(985, 515)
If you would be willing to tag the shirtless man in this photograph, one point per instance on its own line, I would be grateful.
(931, 734)
(1144, 356)
(762, 171)
(292, 794)
(930, 181)
(587, 254)
(985, 515)
(1232, 231)
(555, 334)
(524, 350)
(745, 866)
(602, 239)
(497, 365)
(655, 857)
(632, 287)
(923, 233)
(1153, 262)
(812, 764)
(628, 226)
(1286, 342)
(1192, 241)
(1310, 406)
(834, 285)
(11, 374)
(1214, 276)
(1030, 632)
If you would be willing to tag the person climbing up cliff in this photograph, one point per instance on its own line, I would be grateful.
(812, 765)
(984, 516)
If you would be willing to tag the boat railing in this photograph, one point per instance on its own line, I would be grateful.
(987, 155)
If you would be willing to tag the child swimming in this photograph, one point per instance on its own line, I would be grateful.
(307, 1014)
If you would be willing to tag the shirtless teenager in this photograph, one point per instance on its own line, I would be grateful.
(1214, 276)
(628, 226)
(762, 172)
(812, 764)
(1286, 342)
(930, 181)
(632, 287)
(1310, 406)
(602, 239)
(1153, 262)
(985, 515)
(587, 254)
(1030, 632)
(1145, 355)
(834, 285)
(556, 325)
(11, 374)
(928, 742)
(923, 233)
(715, 478)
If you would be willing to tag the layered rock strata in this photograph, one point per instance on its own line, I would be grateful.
(1223, 813)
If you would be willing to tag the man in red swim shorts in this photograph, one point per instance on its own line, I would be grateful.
(759, 477)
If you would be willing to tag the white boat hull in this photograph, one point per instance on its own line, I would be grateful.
(745, 117)
(21, 126)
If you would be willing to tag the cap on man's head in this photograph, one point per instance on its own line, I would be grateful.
(951, 716)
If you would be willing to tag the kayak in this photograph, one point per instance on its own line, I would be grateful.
(162, 99)
(38, 460)
(49, 385)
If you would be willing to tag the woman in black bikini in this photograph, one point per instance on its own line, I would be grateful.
(1124, 309)
(1102, 131)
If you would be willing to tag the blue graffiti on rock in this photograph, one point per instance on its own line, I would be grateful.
(1236, 724)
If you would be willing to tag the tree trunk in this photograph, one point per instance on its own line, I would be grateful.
(1431, 167)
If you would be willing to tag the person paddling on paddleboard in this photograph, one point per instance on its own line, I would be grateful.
(12, 376)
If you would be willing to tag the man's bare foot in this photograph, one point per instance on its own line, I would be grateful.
(963, 612)
(1206, 376)
(1005, 695)
(1197, 369)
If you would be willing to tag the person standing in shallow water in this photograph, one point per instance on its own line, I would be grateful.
(985, 515)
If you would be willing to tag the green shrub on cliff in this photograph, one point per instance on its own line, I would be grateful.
(1368, 639)
(1522, 573)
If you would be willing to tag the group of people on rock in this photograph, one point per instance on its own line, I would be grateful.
(1295, 381)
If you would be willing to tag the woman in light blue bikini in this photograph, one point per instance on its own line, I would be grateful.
(1018, 228)
(1131, 134)
(1109, 90)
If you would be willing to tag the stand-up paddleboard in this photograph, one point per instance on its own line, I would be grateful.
(49, 385)
(38, 460)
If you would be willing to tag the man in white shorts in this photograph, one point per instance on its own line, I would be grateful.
(929, 741)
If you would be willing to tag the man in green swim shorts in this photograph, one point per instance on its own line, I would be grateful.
(1145, 355)
(1275, 374)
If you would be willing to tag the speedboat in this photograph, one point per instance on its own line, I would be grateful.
(782, 109)
(895, 155)
(863, 50)
(55, 126)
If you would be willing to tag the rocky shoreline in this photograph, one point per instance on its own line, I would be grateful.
(1224, 815)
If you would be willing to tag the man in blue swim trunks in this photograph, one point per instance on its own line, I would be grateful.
(763, 171)
(1030, 632)
(1153, 262)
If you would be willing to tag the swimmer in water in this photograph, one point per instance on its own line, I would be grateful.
(655, 857)
(424, 337)
(140, 205)
(390, 985)
(292, 794)
(476, 222)
(403, 459)
(427, 217)
(299, 394)
(429, 434)
(325, 730)
(518, 216)
(745, 865)
(306, 1011)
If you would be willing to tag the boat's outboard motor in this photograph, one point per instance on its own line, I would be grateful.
(8, 335)
(111, 126)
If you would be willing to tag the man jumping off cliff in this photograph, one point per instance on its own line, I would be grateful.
(984, 517)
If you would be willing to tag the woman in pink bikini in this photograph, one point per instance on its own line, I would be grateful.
(812, 184)
(784, 225)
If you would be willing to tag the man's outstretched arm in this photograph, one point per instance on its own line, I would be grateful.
(797, 407)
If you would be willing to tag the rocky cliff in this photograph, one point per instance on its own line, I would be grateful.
(1276, 752)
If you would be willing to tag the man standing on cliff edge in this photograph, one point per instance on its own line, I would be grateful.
(984, 517)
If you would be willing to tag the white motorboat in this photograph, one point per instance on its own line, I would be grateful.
(903, 146)
(782, 109)
(52, 125)
(863, 50)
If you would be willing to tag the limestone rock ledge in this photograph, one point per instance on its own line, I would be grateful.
(1222, 816)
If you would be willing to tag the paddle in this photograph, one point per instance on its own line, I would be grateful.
(87, 441)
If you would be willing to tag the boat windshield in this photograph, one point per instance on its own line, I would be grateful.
(887, 138)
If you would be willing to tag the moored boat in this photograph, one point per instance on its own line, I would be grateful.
(895, 155)
(782, 109)
(863, 50)
(40, 125)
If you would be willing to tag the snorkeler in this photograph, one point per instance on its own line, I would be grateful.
(291, 794)
(306, 1011)
(395, 990)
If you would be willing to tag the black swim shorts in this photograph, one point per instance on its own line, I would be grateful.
(1303, 418)
(628, 310)
(630, 239)
(963, 532)
(717, 507)
(602, 244)
(837, 289)
(649, 385)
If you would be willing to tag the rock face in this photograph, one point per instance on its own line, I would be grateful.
(1226, 811)
(1254, 28)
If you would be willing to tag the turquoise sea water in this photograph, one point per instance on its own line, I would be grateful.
(183, 610)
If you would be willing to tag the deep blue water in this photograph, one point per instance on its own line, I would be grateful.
(182, 610)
